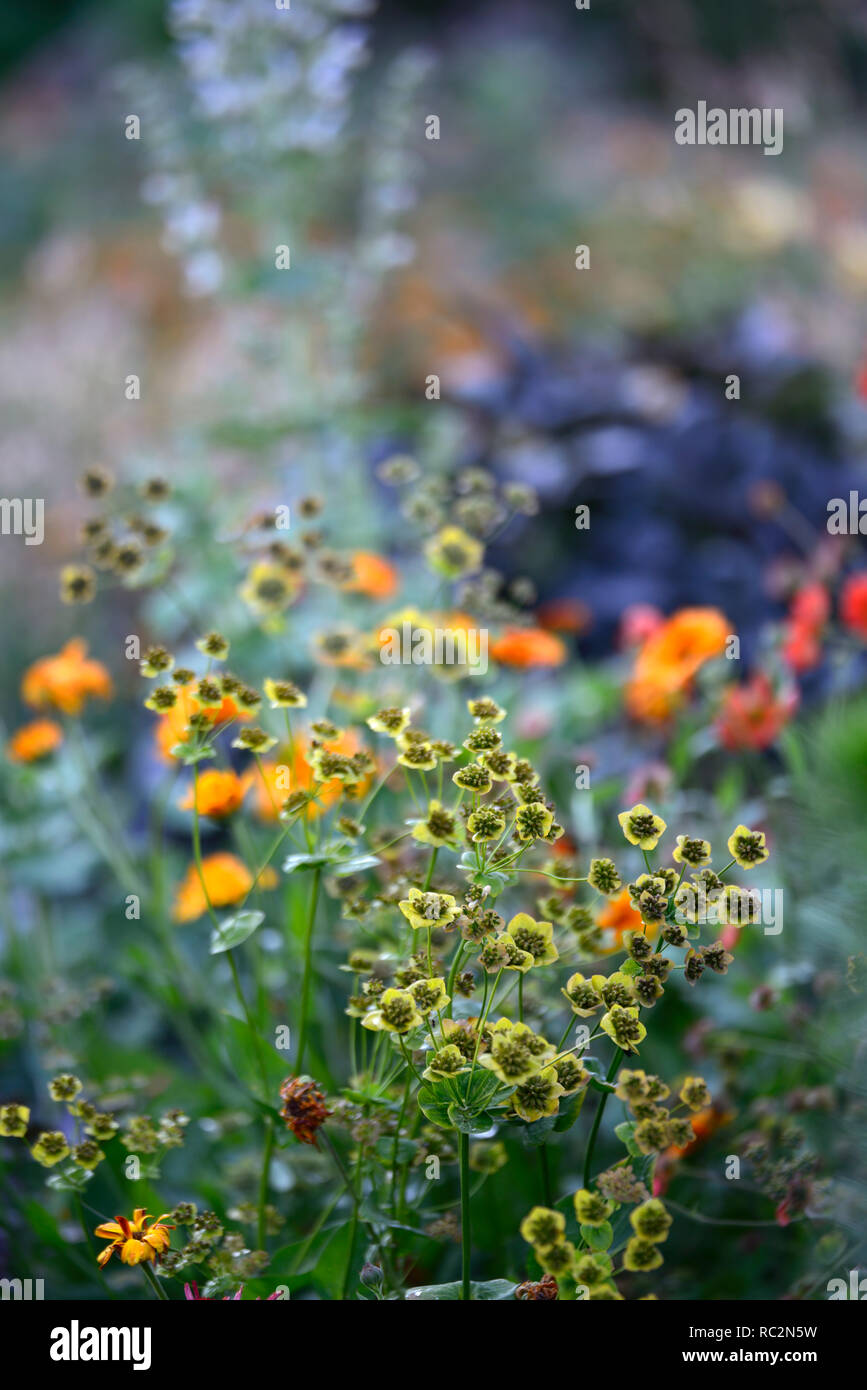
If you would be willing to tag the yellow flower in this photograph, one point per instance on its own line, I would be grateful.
(537, 938)
(429, 995)
(641, 827)
(65, 681)
(539, 1095)
(397, 1013)
(268, 589)
(226, 880)
(428, 909)
(391, 721)
(284, 694)
(439, 829)
(136, 1240)
(50, 1148)
(543, 1228)
(217, 794)
(14, 1120)
(453, 552)
(747, 847)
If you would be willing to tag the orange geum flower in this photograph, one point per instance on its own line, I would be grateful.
(217, 794)
(294, 773)
(172, 725)
(372, 576)
(619, 916)
(670, 658)
(65, 681)
(136, 1240)
(528, 646)
(34, 741)
(226, 881)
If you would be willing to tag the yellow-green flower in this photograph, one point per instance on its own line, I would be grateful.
(50, 1148)
(429, 995)
(434, 910)
(747, 847)
(641, 1255)
(591, 1208)
(255, 740)
(516, 959)
(533, 822)
(155, 661)
(571, 1073)
(420, 756)
(624, 1028)
(651, 1221)
(454, 553)
(536, 938)
(695, 1093)
(557, 1259)
(446, 1062)
(214, 645)
(14, 1120)
(488, 1158)
(87, 1154)
(473, 778)
(486, 711)
(510, 1059)
(582, 995)
(64, 1087)
(397, 1013)
(284, 694)
(543, 1228)
(439, 829)
(693, 852)
(539, 1095)
(487, 823)
(641, 827)
(604, 877)
(391, 721)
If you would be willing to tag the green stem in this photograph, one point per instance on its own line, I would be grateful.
(263, 1184)
(308, 968)
(154, 1281)
(466, 1233)
(591, 1143)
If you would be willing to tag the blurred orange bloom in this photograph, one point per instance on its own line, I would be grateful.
(670, 658)
(218, 794)
(528, 646)
(171, 725)
(619, 916)
(563, 615)
(269, 799)
(373, 576)
(853, 603)
(227, 881)
(65, 681)
(704, 1126)
(808, 614)
(34, 740)
(751, 715)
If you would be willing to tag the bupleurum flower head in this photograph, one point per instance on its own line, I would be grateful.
(695, 1093)
(641, 827)
(747, 847)
(591, 1208)
(14, 1120)
(473, 778)
(487, 823)
(533, 822)
(486, 711)
(445, 1062)
(453, 553)
(582, 995)
(214, 645)
(397, 1013)
(50, 1148)
(284, 694)
(651, 1221)
(391, 721)
(425, 909)
(641, 1255)
(603, 876)
(64, 1087)
(694, 852)
(429, 995)
(538, 1096)
(623, 1026)
(543, 1228)
(439, 829)
(536, 938)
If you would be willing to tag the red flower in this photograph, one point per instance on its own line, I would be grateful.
(853, 603)
(752, 715)
(808, 613)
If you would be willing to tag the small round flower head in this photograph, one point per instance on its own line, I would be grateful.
(102, 1126)
(637, 945)
(510, 1058)
(487, 823)
(162, 698)
(533, 822)
(696, 853)
(499, 764)
(680, 1131)
(128, 556)
(268, 589)
(182, 675)
(486, 711)
(397, 1013)
(254, 740)
(675, 934)
(50, 1148)
(453, 553)
(616, 989)
(155, 661)
(653, 907)
(521, 497)
(641, 1255)
(426, 909)
(658, 965)
(284, 694)
(747, 847)
(214, 645)
(571, 1073)
(445, 1062)
(623, 1027)
(590, 1270)
(695, 1093)
(652, 1135)
(96, 482)
(536, 938)
(647, 990)
(516, 959)
(397, 470)
(543, 1228)
(717, 958)
(208, 694)
(558, 1259)
(693, 967)
(14, 1120)
(473, 778)
(582, 995)
(310, 506)
(641, 827)
(429, 995)
(77, 584)
(155, 489)
(391, 720)
(64, 1087)
(483, 739)
(445, 751)
(538, 1096)
(591, 1208)
(621, 1185)
(439, 829)
(651, 1221)
(87, 1154)
(523, 773)
(603, 876)
(579, 917)
(420, 756)
(493, 955)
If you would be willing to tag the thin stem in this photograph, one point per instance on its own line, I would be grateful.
(308, 968)
(591, 1143)
(154, 1281)
(263, 1184)
(466, 1233)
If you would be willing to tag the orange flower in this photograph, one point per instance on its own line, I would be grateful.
(219, 794)
(65, 681)
(171, 725)
(619, 916)
(34, 740)
(528, 646)
(853, 603)
(136, 1240)
(227, 881)
(670, 658)
(270, 798)
(808, 614)
(372, 576)
(564, 615)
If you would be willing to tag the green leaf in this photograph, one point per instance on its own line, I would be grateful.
(340, 858)
(537, 1131)
(570, 1109)
(469, 1121)
(188, 755)
(493, 1290)
(624, 1133)
(436, 1110)
(234, 930)
(598, 1237)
